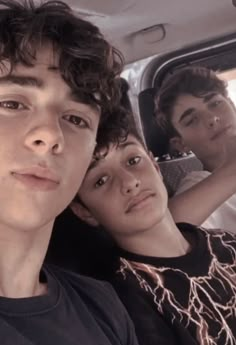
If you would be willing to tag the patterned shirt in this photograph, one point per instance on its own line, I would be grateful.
(189, 299)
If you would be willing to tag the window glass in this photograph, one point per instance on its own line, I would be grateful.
(230, 77)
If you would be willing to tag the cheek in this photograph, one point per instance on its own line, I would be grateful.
(161, 190)
(196, 135)
(77, 164)
(107, 212)
(230, 113)
(11, 148)
(10, 138)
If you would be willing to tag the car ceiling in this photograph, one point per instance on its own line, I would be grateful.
(145, 28)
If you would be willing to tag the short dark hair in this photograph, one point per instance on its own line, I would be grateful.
(196, 81)
(126, 120)
(87, 62)
(122, 121)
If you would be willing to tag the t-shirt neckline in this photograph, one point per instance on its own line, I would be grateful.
(33, 305)
(192, 234)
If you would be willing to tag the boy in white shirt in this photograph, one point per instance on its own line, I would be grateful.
(194, 109)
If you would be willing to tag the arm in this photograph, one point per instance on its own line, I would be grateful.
(197, 203)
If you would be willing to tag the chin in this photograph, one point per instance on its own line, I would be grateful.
(29, 222)
(155, 220)
(143, 225)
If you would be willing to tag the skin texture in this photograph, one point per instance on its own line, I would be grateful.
(198, 131)
(213, 191)
(44, 127)
(204, 125)
(124, 193)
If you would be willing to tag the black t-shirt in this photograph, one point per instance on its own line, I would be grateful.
(184, 300)
(76, 310)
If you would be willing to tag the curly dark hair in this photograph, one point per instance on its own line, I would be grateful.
(121, 124)
(87, 62)
(116, 129)
(196, 81)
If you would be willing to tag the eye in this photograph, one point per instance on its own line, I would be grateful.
(215, 103)
(193, 120)
(77, 121)
(134, 160)
(101, 181)
(12, 105)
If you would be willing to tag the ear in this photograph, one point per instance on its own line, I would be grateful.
(176, 144)
(83, 213)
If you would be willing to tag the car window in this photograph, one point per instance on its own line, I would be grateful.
(230, 77)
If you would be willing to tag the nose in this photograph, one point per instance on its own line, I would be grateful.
(213, 120)
(130, 184)
(45, 137)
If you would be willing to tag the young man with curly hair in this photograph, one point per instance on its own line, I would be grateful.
(57, 89)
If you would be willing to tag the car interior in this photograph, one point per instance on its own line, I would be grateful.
(157, 38)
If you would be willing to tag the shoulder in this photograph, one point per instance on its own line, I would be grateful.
(152, 327)
(88, 287)
(98, 297)
(191, 179)
(131, 283)
(218, 233)
(209, 234)
(222, 243)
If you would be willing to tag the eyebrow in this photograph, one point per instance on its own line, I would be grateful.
(22, 80)
(186, 113)
(93, 164)
(98, 161)
(36, 82)
(189, 111)
(124, 144)
(209, 96)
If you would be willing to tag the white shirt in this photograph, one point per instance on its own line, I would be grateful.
(224, 217)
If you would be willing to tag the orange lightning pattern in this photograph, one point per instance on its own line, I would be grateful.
(211, 300)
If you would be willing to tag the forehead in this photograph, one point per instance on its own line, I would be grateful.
(114, 151)
(186, 102)
(47, 56)
(44, 73)
(46, 59)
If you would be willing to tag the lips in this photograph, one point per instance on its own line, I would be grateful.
(219, 133)
(138, 202)
(37, 178)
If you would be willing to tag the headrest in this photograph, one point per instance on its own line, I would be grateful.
(174, 170)
(155, 138)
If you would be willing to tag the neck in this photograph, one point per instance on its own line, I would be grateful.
(213, 163)
(162, 240)
(21, 258)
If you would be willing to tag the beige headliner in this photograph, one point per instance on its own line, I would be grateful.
(186, 22)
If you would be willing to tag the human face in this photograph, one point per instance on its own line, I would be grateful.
(47, 138)
(124, 191)
(204, 123)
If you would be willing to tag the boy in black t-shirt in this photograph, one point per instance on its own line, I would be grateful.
(178, 282)
(57, 80)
